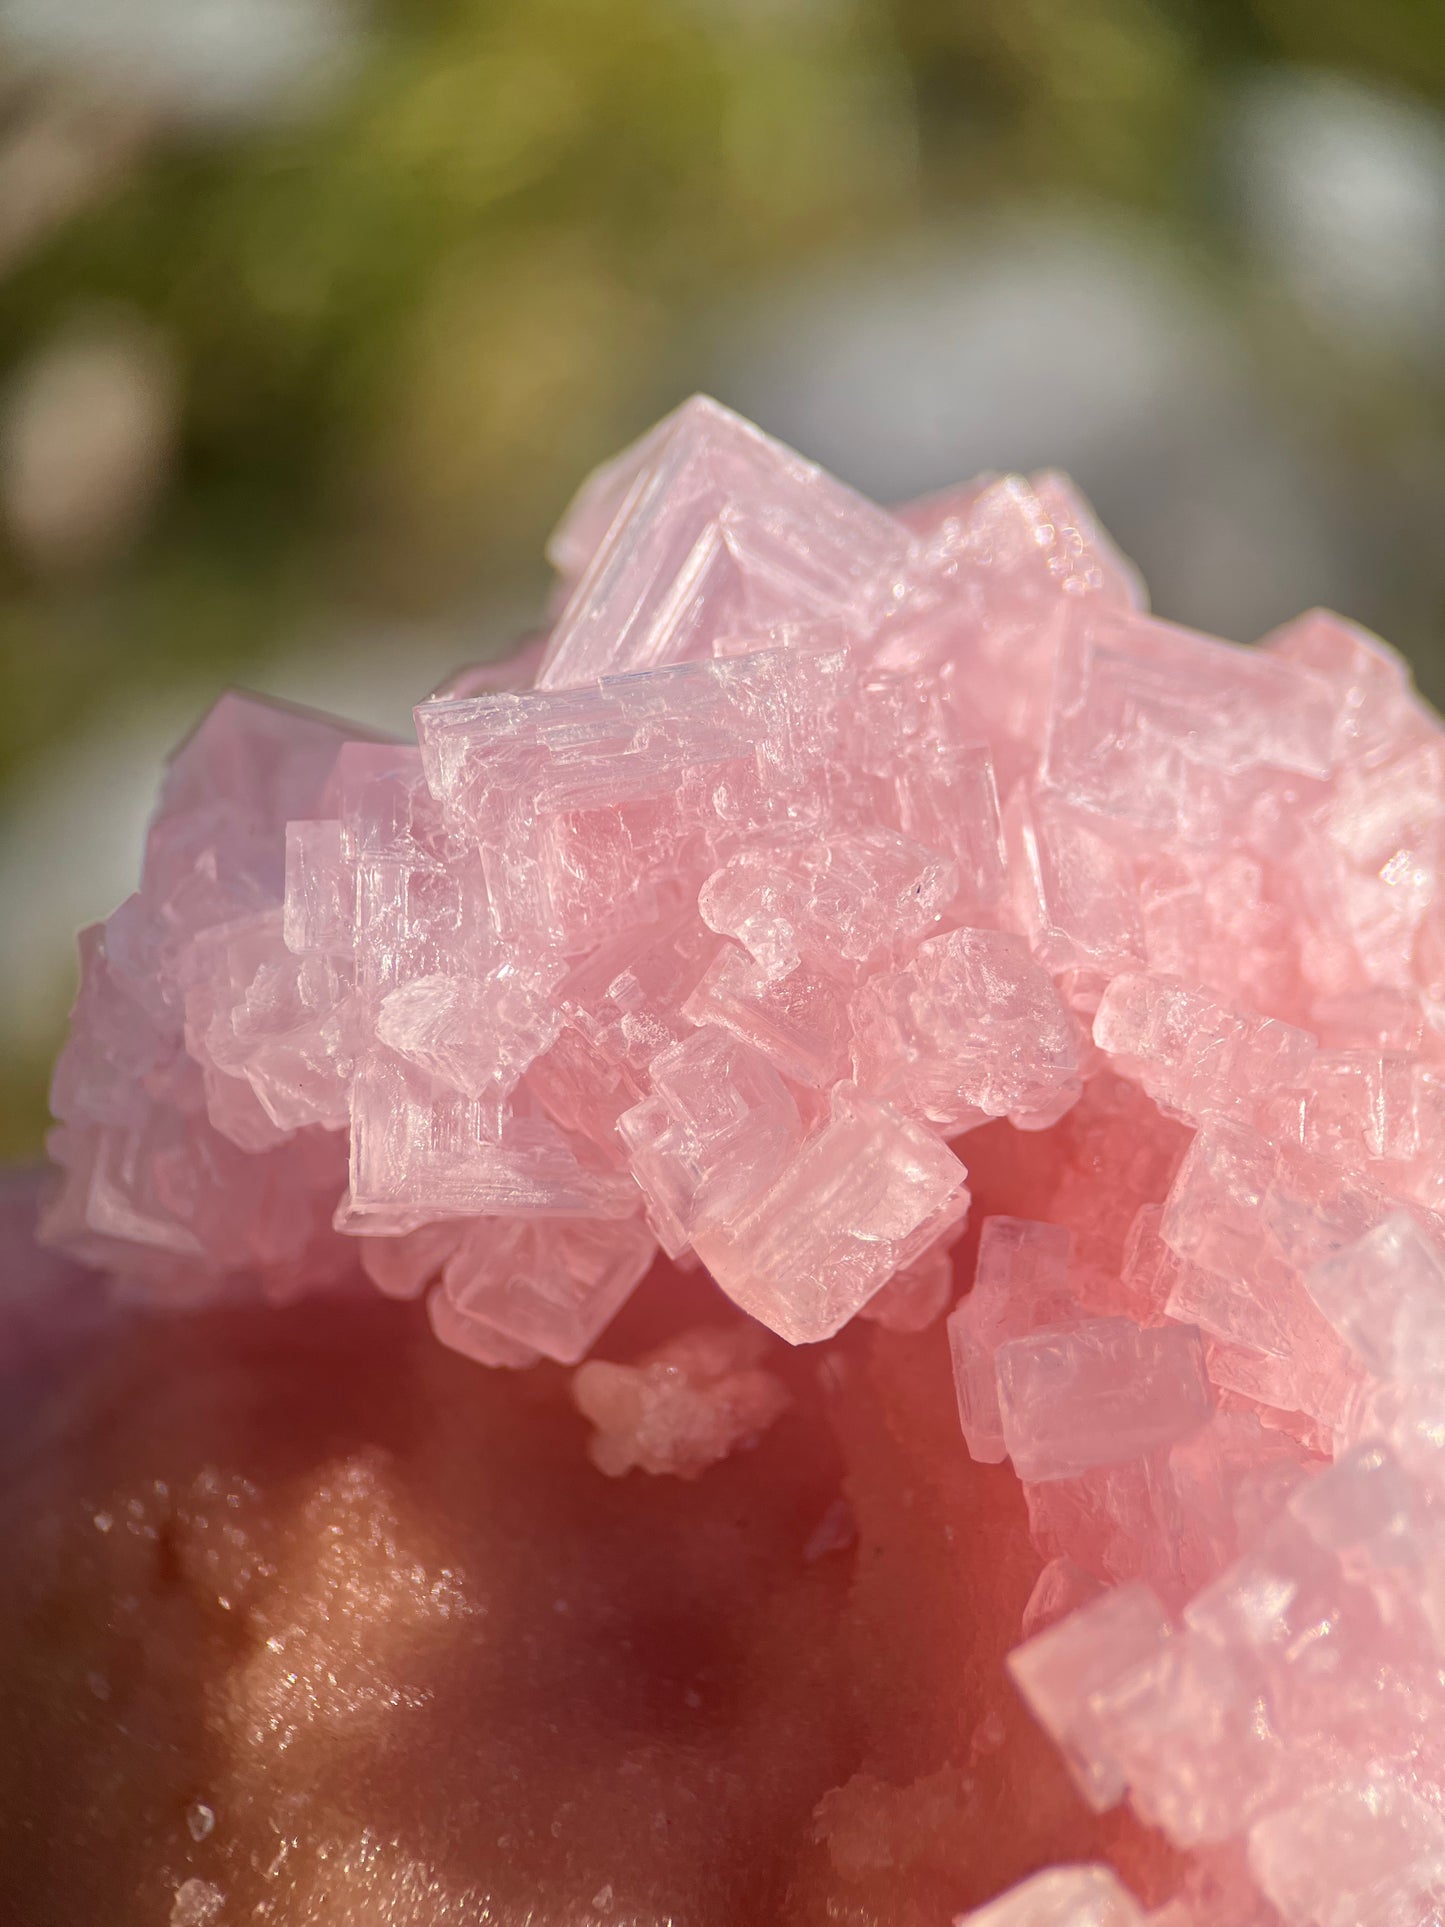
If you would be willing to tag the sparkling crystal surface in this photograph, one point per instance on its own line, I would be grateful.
(818, 856)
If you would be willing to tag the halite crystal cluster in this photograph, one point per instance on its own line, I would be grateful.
(810, 840)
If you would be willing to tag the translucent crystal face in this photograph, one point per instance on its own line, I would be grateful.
(816, 853)
(710, 529)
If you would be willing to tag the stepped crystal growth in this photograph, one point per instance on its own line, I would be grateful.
(814, 838)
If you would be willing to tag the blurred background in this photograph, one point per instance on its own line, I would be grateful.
(315, 311)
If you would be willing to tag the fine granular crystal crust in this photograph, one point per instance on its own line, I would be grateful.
(825, 868)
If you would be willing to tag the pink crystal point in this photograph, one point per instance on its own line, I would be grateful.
(714, 530)
(819, 853)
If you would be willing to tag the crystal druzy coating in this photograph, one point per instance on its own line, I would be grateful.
(813, 839)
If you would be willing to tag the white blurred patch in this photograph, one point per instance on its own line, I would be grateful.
(1064, 340)
(1341, 192)
(204, 60)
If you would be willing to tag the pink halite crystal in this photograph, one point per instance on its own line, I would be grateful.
(1193, 1057)
(719, 1124)
(707, 529)
(1020, 1286)
(1062, 1897)
(813, 837)
(970, 1028)
(1385, 1296)
(1176, 733)
(1097, 1392)
(1061, 1671)
(546, 1286)
(798, 1019)
(1368, 1853)
(998, 575)
(865, 1196)
(176, 1171)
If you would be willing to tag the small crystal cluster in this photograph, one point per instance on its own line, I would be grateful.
(685, 1406)
(811, 839)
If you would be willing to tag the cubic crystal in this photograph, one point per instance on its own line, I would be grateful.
(1060, 1671)
(867, 1194)
(1021, 1285)
(716, 530)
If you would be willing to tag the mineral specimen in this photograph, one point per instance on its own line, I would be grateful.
(819, 855)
